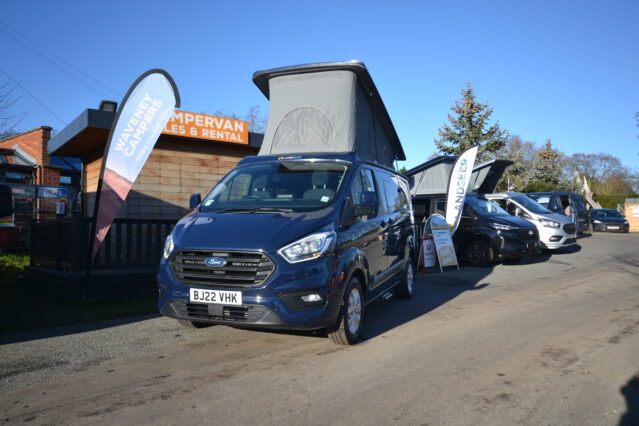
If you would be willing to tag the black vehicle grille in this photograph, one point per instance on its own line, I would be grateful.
(570, 228)
(242, 269)
(528, 235)
(226, 313)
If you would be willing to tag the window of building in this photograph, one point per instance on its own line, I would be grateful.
(16, 177)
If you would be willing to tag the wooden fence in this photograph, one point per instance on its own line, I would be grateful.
(63, 244)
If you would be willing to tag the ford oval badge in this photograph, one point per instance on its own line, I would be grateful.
(215, 262)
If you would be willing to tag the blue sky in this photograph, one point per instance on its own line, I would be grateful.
(568, 71)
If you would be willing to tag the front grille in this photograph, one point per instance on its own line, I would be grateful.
(570, 241)
(223, 313)
(569, 228)
(528, 235)
(199, 311)
(242, 269)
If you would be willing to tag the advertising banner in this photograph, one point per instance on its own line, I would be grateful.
(203, 126)
(428, 252)
(443, 241)
(458, 185)
(144, 112)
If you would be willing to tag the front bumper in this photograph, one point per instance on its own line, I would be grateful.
(610, 227)
(511, 248)
(554, 238)
(263, 305)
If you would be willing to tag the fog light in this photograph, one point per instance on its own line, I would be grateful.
(310, 298)
(555, 238)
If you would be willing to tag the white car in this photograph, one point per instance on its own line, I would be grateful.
(555, 230)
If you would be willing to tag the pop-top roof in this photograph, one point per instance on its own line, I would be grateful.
(327, 108)
(431, 177)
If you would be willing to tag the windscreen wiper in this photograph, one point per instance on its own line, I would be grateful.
(252, 210)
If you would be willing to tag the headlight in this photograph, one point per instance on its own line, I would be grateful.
(549, 223)
(308, 248)
(596, 221)
(625, 222)
(168, 246)
(501, 226)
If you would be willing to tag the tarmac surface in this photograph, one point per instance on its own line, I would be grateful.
(553, 340)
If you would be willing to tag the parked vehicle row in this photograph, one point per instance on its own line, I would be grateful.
(318, 225)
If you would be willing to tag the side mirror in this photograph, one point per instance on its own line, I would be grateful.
(194, 201)
(368, 204)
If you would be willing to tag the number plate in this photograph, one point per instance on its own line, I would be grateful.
(613, 227)
(218, 297)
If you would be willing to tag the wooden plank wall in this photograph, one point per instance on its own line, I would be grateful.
(175, 170)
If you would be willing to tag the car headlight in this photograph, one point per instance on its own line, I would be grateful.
(308, 248)
(596, 221)
(625, 222)
(168, 246)
(501, 226)
(549, 223)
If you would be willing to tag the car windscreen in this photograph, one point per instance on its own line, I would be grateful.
(484, 207)
(285, 186)
(606, 213)
(531, 205)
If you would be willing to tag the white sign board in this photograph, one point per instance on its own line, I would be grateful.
(635, 211)
(443, 241)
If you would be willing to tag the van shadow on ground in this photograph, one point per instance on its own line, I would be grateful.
(432, 290)
(630, 392)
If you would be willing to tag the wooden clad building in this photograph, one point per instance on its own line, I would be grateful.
(177, 167)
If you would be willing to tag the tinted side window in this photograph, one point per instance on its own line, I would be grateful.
(363, 182)
(389, 194)
(555, 204)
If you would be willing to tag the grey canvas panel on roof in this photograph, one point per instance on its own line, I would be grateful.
(433, 180)
(325, 111)
(318, 106)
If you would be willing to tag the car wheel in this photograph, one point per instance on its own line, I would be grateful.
(348, 328)
(193, 324)
(479, 253)
(406, 289)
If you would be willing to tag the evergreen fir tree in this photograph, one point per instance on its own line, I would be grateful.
(548, 165)
(467, 128)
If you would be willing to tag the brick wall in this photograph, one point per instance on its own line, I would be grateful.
(630, 213)
(48, 176)
(34, 142)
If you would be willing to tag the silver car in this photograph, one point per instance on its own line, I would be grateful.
(555, 230)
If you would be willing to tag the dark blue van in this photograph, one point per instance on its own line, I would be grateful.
(306, 234)
(292, 242)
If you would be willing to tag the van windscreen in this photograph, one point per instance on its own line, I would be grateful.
(286, 185)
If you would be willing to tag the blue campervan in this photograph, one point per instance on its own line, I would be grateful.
(306, 234)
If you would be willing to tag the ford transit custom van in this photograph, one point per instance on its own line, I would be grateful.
(300, 242)
(555, 230)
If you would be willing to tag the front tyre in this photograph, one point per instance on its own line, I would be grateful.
(406, 289)
(347, 330)
(479, 253)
